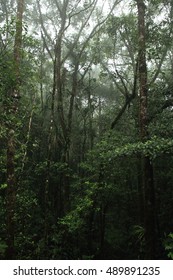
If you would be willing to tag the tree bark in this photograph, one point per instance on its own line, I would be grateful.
(147, 168)
(14, 96)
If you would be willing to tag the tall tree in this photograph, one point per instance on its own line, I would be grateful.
(13, 96)
(147, 168)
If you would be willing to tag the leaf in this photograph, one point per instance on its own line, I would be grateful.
(3, 186)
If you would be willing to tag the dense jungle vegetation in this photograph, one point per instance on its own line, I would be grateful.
(86, 129)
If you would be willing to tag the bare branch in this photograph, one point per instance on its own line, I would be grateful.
(114, 79)
(126, 92)
(128, 99)
(80, 11)
(128, 46)
(46, 46)
(58, 7)
(44, 29)
(159, 67)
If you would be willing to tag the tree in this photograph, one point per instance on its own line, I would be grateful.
(147, 168)
(13, 99)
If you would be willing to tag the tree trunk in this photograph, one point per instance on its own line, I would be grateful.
(10, 195)
(14, 96)
(147, 168)
(90, 114)
(102, 229)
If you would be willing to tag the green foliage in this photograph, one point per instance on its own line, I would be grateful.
(152, 148)
(97, 170)
(29, 220)
(169, 245)
(138, 235)
(3, 186)
(76, 219)
(3, 247)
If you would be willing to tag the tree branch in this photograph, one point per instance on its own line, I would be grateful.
(128, 99)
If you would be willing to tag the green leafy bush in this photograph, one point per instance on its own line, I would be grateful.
(169, 245)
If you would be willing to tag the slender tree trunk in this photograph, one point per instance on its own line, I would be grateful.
(48, 165)
(24, 160)
(12, 111)
(90, 115)
(11, 195)
(147, 168)
(102, 229)
(41, 80)
(140, 192)
(100, 120)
